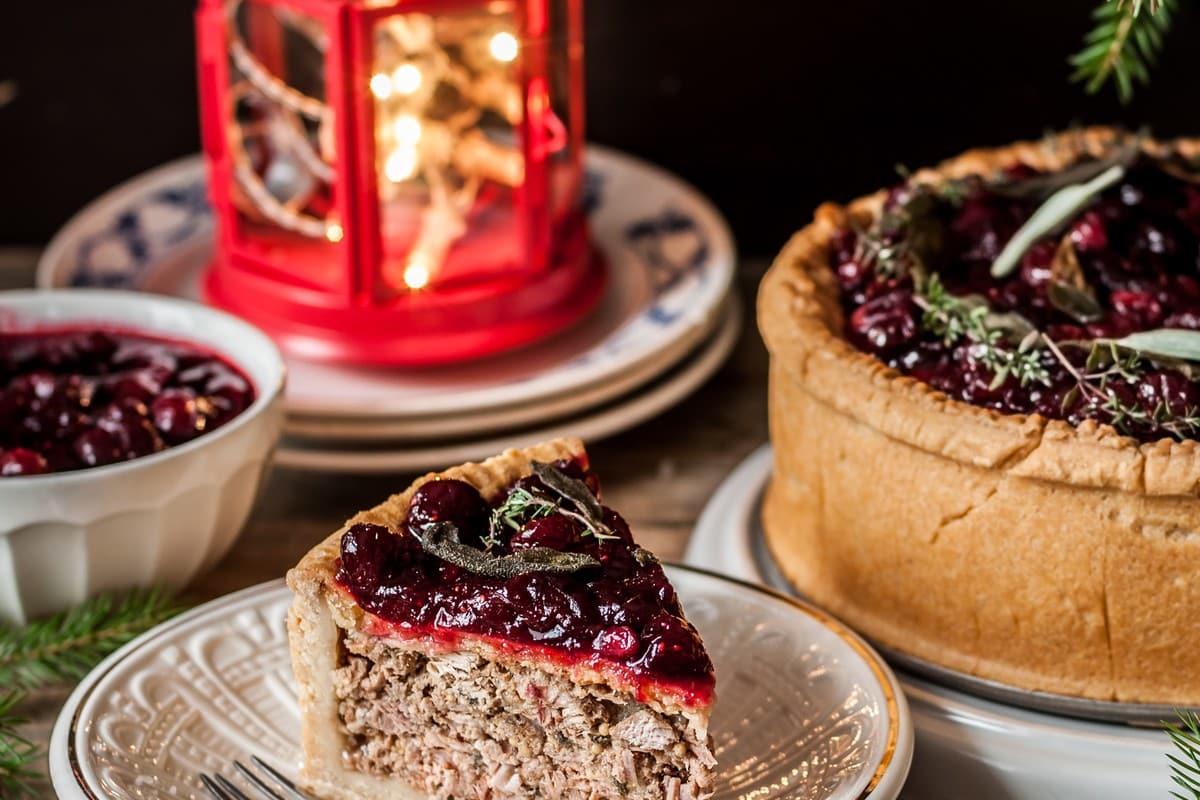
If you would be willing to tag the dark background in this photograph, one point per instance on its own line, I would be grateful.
(769, 107)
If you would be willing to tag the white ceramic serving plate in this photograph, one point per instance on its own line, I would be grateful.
(965, 746)
(805, 708)
(592, 425)
(156, 520)
(670, 254)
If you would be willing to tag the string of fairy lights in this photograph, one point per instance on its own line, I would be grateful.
(442, 85)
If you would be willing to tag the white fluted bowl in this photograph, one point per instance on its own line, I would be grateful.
(155, 520)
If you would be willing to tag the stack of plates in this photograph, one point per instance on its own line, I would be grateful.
(667, 322)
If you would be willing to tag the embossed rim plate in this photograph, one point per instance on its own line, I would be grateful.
(671, 253)
(215, 684)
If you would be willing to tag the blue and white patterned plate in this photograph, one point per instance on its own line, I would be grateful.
(670, 253)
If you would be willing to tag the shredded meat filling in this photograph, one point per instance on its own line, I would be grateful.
(462, 728)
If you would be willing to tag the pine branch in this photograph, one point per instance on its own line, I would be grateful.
(1185, 765)
(17, 754)
(66, 646)
(1123, 44)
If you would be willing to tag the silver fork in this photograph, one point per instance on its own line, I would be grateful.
(222, 788)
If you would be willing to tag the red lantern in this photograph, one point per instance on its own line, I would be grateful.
(397, 181)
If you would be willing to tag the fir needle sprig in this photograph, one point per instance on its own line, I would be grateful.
(1185, 764)
(64, 647)
(17, 753)
(1124, 43)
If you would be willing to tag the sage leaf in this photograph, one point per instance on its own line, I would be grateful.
(1076, 303)
(441, 539)
(1037, 187)
(1056, 211)
(574, 490)
(1175, 343)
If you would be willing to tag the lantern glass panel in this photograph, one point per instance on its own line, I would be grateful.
(474, 152)
(282, 143)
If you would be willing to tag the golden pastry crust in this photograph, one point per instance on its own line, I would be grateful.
(1024, 550)
(321, 612)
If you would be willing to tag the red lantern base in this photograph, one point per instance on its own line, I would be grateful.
(422, 327)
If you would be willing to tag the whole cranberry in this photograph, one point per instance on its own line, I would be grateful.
(1189, 319)
(617, 642)
(1155, 239)
(20, 461)
(852, 275)
(1167, 389)
(1036, 264)
(885, 324)
(176, 415)
(453, 501)
(96, 447)
(843, 245)
(42, 385)
(1138, 310)
(557, 532)
(1089, 233)
(369, 553)
(673, 646)
(129, 425)
(140, 385)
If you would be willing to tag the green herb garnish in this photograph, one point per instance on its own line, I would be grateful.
(569, 497)
(1058, 209)
(1005, 343)
(441, 539)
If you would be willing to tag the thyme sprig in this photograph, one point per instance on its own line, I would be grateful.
(1123, 44)
(1005, 343)
(1185, 763)
(1107, 361)
(569, 497)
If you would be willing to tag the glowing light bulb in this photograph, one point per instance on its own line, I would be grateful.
(504, 47)
(407, 79)
(401, 164)
(407, 129)
(381, 86)
(416, 274)
(334, 232)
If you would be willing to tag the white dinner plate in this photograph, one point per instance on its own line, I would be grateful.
(805, 709)
(966, 746)
(356, 457)
(670, 256)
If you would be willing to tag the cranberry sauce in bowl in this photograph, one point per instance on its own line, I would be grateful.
(88, 396)
(610, 604)
(925, 289)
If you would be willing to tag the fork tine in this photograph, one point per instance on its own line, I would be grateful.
(280, 778)
(234, 792)
(257, 781)
(213, 789)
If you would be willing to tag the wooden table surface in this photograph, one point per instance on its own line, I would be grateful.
(659, 474)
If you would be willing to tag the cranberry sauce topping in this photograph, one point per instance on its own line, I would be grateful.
(76, 398)
(622, 611)
(1133, 252)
